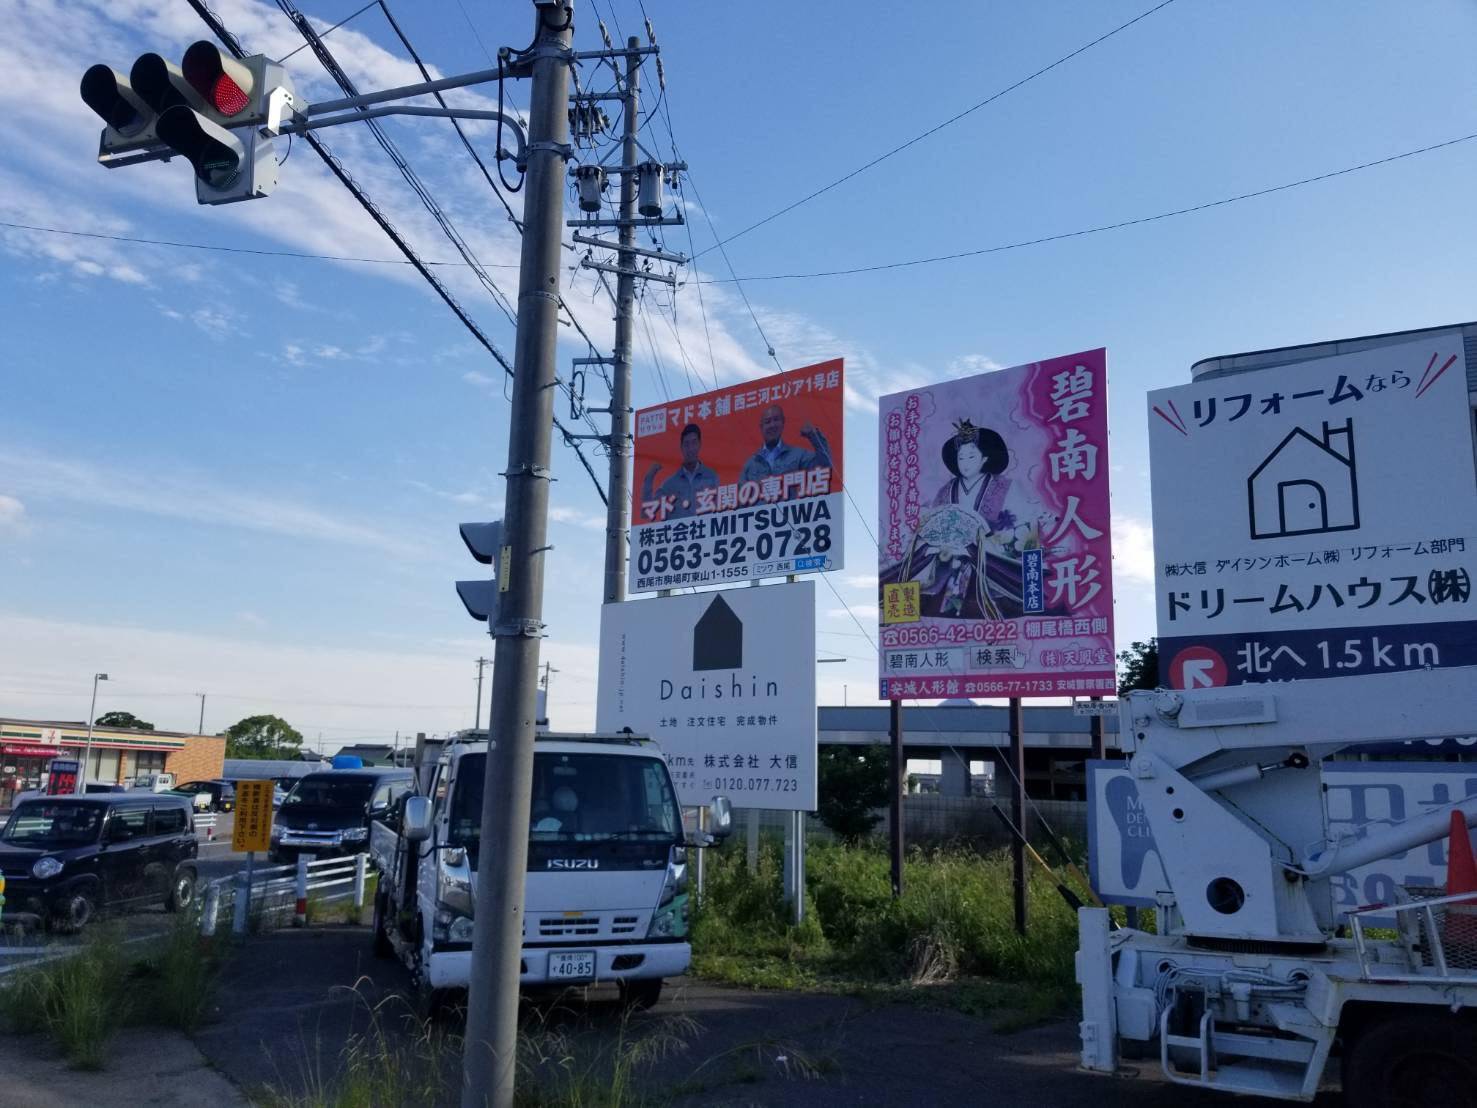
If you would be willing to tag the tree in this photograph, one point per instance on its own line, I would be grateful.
(263, 737)
(852, 786)
(125, 720)
(1138, 667)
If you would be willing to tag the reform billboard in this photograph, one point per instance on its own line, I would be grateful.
(740, 483)
(995, 570)
(1317, 519)
(725, 682)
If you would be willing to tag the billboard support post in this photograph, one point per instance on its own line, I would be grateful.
(1099, 735)
(899, 773)
(1018, 810)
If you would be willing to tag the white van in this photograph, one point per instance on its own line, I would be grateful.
(606, 896)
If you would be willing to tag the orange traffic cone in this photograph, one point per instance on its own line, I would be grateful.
(1461, 877)
(1461, 867)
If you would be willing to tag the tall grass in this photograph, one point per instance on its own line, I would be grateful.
(956, 917)
(80, 1001)
(401, 1060)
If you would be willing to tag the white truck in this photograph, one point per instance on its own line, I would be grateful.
(1254, 981)
(607, 886)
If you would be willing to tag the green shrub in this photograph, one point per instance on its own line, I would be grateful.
(956, 916)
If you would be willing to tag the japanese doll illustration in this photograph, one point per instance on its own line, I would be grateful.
(966, 551)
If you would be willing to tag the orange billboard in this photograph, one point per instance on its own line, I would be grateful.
(740, 483)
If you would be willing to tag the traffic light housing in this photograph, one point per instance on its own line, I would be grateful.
(481, 598)
(220, 113)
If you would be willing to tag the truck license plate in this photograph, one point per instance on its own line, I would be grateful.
(575, 966)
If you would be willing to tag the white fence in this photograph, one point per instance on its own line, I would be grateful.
(272, 891)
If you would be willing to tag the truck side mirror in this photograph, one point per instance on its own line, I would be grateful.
(720, 818)
(416, 826)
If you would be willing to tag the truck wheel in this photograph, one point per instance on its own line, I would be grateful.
(382, 945)
(1425, 1058)
(642, 993)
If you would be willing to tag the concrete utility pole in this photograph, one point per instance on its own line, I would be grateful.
(482, 663)
(489, 1058)
(617, 516)
(201, 729)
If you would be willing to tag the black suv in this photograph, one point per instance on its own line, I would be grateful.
(222, 793)
(66, 858)
(328, 813)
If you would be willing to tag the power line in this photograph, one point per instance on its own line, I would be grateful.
(932, 259)
(940, 126)
(1002, 247)
(232, 44)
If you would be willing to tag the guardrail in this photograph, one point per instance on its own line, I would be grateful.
(206, 822)
(1438, 932)
(278, 889)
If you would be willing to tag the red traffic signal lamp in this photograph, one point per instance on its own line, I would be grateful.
(218, 112)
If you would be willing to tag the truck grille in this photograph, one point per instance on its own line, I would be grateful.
(559, 927)
(555, 927)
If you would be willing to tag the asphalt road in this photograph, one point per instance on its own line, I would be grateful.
(290, 1000)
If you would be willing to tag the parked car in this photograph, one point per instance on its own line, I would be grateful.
(220, 796)
(68, 858)
(328, 813)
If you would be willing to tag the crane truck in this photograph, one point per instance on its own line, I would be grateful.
(1254, 981)
(606, 892)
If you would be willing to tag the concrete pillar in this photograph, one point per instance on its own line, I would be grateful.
(954, 772)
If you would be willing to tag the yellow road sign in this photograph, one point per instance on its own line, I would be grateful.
(253, 828)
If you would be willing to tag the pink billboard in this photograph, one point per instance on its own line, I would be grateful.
(995, 574)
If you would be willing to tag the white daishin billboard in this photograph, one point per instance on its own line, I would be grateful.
(1317, 519)
(725, 682)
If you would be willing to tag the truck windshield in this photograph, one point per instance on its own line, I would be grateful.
(325, 792)
(47, 823)
(579, 798)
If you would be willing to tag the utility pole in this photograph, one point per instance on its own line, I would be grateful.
(489, 1058)
(201, 729)
(1018, 811)
(482, 663)
(617, 516)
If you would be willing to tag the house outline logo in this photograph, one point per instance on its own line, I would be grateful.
(1306, 485)
(718, 638)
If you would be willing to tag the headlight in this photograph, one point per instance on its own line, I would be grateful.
(449, 927)
(46, 867)
(355, 834)
(276, 831)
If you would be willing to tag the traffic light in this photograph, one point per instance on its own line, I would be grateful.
(221, 114)
(485, 541)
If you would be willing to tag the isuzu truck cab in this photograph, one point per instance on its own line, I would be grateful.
(607, 887)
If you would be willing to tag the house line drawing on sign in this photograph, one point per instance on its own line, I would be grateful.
(718, 638)
(1306, 486)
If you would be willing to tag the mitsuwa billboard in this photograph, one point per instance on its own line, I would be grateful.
(740, 483)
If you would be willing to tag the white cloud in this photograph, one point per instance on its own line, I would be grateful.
(331, 353)
(480, 380)
(864, 612)
(342, 691)
(197, 498)
(251, 619)
(591, 520)
(13, 519)
(860, 581)
(214, 322)
(1133, 550)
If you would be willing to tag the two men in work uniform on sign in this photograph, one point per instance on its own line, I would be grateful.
(773, 458)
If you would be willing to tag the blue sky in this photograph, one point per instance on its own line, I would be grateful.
(243, 476)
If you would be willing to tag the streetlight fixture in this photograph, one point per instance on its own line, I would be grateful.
(91, 715)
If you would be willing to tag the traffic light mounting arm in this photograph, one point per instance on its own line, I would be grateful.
(286, 116)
